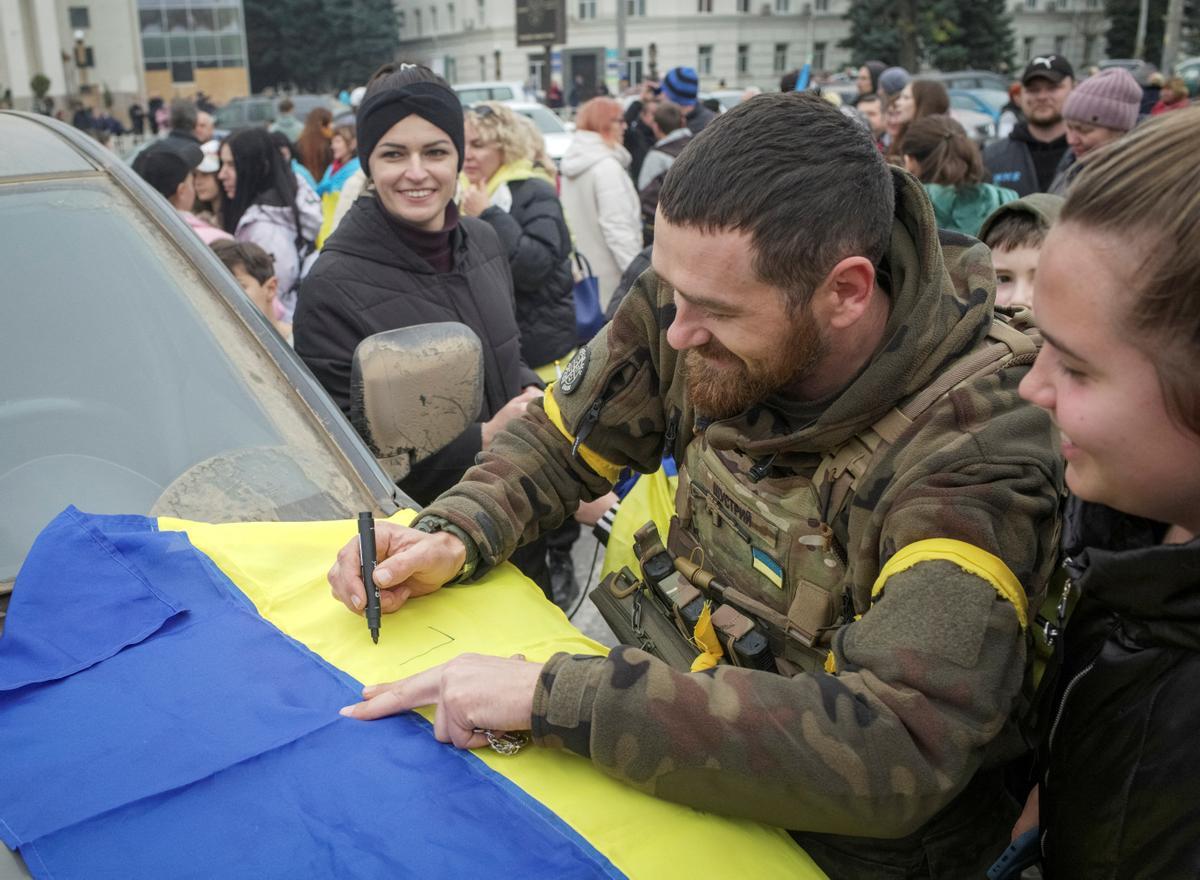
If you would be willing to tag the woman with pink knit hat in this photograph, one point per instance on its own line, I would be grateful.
(1100, 110)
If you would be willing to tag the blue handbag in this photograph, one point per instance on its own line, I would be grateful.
(589, 317)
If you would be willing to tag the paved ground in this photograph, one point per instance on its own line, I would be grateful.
(588, 618)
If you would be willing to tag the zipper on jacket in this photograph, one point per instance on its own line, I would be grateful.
(589, 422)
(672, 430)
(1062, 705)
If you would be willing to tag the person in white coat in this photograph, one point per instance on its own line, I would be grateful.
(265, 204)
(598, 197)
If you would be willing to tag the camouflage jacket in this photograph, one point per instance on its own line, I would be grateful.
(930, 675)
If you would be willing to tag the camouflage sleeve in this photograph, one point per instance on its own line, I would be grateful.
(611, 396)
(925, 683)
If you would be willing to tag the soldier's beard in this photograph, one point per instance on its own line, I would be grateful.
(721, 385)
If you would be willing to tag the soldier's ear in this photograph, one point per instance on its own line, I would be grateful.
(847, 292)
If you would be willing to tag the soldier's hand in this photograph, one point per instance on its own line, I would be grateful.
(411, 564)
(471, 693)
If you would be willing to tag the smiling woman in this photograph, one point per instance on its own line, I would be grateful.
(403, 256)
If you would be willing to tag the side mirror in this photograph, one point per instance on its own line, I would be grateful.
(415, 389)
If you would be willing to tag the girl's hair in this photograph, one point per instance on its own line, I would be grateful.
(930, 98)
(262, 176)
(398, 74)
(1146, 187)
(312, 147)
(346, 130)
(944, 152)
(498, 124)
(598, 114)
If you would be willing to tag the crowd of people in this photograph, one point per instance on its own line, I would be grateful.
(873, 464)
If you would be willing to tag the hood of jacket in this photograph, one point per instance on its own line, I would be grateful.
(942, 290)
(1044, 206)
(1118, 561)
(964, 209)
(587, 148)
(366, 233)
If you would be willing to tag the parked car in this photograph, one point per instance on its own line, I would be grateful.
(979, 125)
(1189, 69)
(981, 100)
(970, 79)
(495, 90)
(1141, 70)
(556, 133)
(262, 110)
(137, 376)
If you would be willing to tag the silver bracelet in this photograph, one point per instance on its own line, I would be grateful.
(504, 742)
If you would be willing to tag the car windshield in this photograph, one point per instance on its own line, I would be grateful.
(546, 121)
(127, 385)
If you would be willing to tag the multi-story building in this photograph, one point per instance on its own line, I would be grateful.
(738, 42)
(194, 46)
(122, 50)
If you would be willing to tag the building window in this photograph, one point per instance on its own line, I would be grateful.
(1089, 48)
(496, 62)
(80, 20)
(433, 24)
(781, 64)
(821, 6)
(417, 20)
(743, 5)
(479, 14)
(637, 68)
(1060, 45)
(587, 9)
(483, 67)
(1028, 49)
(400, 19)
(704, 5)
(704, 60)
(743, 58)
(1051, 5)
(635, 7)
(450, 16)
(818, 61)
(451, 69)
(181, 72)
(783, 5)
(1031, 4)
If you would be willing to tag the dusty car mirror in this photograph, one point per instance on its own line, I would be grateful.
(415, 389)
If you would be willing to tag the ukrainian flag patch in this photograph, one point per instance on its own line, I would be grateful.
(767, 566)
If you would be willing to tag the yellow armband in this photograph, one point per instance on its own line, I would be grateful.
(600, 465)
(970, 559)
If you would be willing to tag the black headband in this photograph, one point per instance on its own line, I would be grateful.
(433, 102)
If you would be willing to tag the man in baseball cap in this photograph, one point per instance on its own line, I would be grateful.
(1030, 157)
(168, 168)
(681, 86)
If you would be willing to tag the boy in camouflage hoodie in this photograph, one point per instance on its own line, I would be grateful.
(800, 303)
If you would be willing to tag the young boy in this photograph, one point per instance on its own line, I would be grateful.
(169, 170)
(1015, 232)
(255, 271)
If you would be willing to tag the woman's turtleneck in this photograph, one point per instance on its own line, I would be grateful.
(435, 248)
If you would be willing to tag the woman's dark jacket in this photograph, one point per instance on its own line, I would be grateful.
(367, 281)
(534, 235)
(1120, 770)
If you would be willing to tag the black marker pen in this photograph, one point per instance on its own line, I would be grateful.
(366, 547)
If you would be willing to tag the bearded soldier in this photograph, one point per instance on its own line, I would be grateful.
(860, 484)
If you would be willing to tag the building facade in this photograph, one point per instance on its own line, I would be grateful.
(736, 42)
(192, 46)
(122, 50)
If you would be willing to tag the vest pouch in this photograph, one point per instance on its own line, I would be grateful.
(637, 619)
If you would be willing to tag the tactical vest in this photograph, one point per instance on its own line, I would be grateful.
(767, 538)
